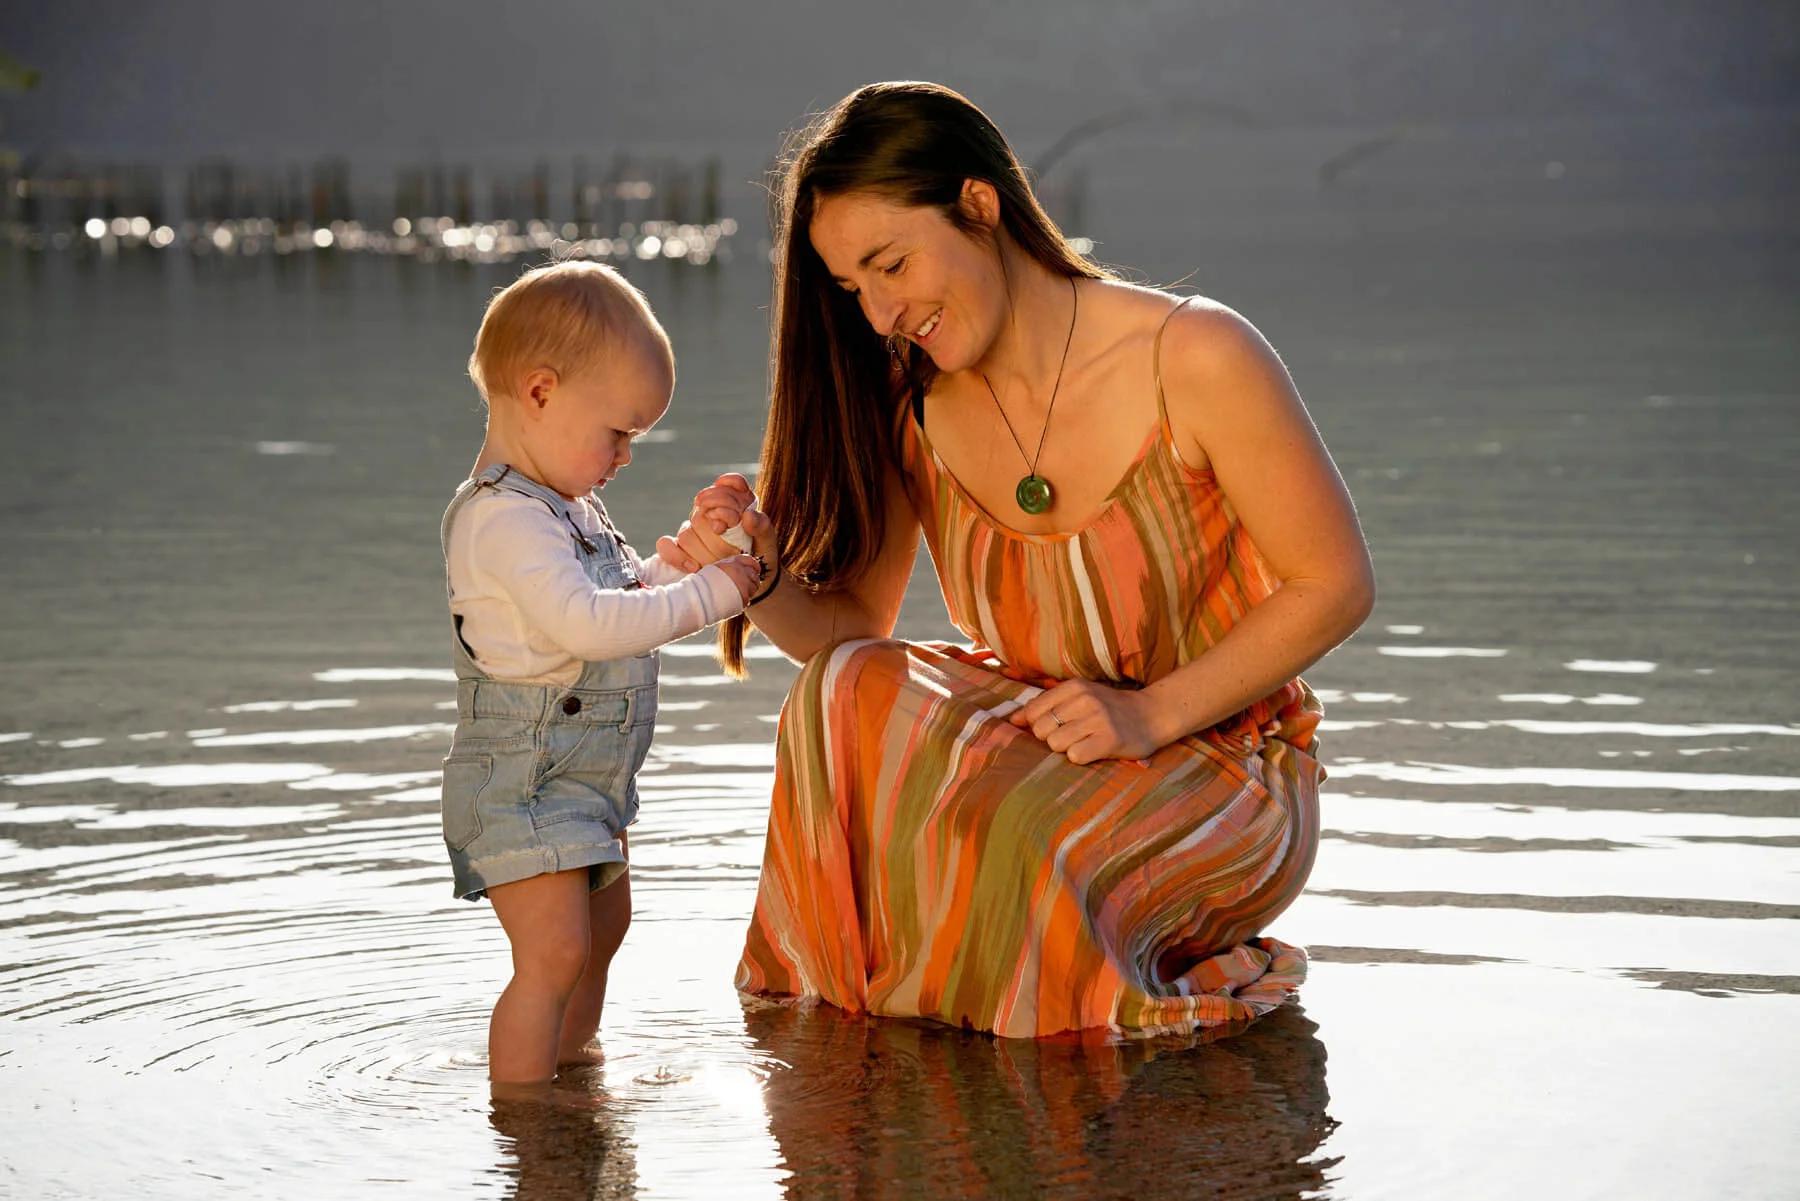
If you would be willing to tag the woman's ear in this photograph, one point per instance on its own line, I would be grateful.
(540, 382)
(980, 203)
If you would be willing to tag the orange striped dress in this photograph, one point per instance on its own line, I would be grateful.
(925, 858)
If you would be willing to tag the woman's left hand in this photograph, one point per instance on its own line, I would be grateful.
(1089, 722)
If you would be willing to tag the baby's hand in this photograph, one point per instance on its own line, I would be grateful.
(745, 572)
(701, 539)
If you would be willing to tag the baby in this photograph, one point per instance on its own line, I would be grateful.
(556, 623)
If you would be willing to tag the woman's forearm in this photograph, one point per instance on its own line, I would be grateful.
(802, 623)
(1270, 645)
(867, 605)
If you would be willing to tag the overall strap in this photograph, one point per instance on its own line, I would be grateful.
(502, 477)
(466, 668)
(464, 491)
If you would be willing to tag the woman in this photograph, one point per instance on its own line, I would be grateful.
(1087, 819)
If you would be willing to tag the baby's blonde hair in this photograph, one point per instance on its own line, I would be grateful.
(565, 316)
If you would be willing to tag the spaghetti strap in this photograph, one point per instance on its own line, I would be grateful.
(1162, 408)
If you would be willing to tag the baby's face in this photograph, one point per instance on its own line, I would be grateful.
(584, 437)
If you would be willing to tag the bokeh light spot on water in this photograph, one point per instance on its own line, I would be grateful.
(352, 781)
(355, 675)
(1563, 698)
(173, 775)
(1565, 777)
(1441, 652)
(295, 706)
(218, 738)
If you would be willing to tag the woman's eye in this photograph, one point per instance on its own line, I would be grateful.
(898, 266)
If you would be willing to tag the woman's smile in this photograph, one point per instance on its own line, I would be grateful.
(923, 334)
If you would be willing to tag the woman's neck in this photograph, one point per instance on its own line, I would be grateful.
(1027, 350)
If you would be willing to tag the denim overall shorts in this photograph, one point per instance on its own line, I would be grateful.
(542, 778)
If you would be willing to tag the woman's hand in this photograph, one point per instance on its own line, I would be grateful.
(717, 508)
(1089, 722)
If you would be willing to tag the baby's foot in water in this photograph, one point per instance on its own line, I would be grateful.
(587, 1055)
(519, 1099)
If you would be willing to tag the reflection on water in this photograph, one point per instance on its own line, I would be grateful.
(862, 1107)
(568, 1149)
(900, 1109)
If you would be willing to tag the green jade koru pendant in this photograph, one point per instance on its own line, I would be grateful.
(1033, 494)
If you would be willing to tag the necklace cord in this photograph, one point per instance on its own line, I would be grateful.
(1032, 462)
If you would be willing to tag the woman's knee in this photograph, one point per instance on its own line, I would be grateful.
(841, 666)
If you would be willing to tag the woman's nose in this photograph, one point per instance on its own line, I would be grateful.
(882, 311)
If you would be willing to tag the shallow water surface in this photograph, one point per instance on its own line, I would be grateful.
(1551, 917)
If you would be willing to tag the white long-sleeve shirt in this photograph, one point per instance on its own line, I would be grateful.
(531, 614)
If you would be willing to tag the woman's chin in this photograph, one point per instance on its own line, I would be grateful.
(945, 359)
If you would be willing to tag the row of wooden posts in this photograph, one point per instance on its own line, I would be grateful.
(52, 195)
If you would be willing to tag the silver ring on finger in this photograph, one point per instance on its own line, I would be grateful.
(1056, 718)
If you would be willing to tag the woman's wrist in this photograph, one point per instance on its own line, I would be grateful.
(1162, 714)
(774, 579)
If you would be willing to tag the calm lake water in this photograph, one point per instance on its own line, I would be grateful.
(1551, 918)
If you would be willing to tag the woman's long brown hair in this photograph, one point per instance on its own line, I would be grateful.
(838, 396)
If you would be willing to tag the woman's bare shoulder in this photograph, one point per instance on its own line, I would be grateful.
(1219, 374)
(1134, 311)
(1206, 339)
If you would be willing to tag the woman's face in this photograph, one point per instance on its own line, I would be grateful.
(914, 273)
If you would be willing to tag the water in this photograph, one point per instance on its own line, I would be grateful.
(1551, 914)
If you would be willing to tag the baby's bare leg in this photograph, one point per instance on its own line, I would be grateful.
(546, 920)
(609, 916)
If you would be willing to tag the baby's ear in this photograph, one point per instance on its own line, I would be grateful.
(540, 384)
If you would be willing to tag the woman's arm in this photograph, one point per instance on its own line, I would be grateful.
(799, 622)
(1233, 407)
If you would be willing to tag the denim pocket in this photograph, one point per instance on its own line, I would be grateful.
(464, 778)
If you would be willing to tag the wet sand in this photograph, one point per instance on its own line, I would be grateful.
(1551, 915)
